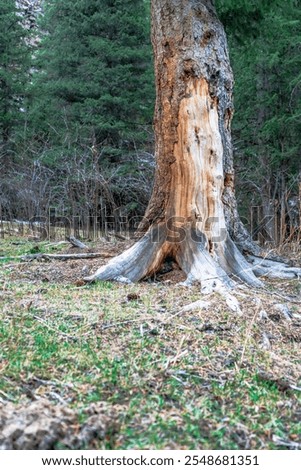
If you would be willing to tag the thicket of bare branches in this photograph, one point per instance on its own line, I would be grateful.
(81, 192)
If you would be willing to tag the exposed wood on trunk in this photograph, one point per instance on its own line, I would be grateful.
(192, 215)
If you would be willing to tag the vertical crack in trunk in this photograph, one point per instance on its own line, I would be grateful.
(194, 231)
(192, 213)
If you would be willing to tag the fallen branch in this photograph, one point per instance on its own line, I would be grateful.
(65, 256)
(75, 242)
(117, 235)
(198, 305)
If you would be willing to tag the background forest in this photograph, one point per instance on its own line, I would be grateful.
(76, 106)
(163, 363)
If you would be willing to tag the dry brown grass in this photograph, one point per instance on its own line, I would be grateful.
(208, 378)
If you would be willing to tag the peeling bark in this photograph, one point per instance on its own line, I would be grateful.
(192, 215)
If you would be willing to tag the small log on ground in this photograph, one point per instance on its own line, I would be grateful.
(76, 243)
(64, 257)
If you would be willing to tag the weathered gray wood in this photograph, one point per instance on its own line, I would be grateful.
(63, 257)
(75, 242)
(140, 260)
(273, 269)
(192, 213)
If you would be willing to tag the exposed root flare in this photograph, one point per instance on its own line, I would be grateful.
(213, 271)
(273, 269)
(143, 259)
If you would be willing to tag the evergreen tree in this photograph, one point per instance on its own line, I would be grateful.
(242, 18)
(266, 62)
(14, 70)
(94, 84)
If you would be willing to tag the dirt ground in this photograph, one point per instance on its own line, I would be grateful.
(73, 271)
(41, 424)
(275, 312)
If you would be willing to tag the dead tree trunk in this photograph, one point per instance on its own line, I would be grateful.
(192, 215)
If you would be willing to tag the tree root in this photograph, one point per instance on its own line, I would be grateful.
(218, 271)
(141, 260)
(273, 269)
(217, 268)
(213, 270)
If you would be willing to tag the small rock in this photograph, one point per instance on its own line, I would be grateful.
(266, 342)
(85, 270)
(283, 308)
(263, 315)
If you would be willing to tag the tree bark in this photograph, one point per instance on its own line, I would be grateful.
(192, 215)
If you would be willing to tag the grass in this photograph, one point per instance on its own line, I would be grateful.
(175, 383)
(15, 247)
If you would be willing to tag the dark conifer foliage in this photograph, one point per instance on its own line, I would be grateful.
(77, 99)
(14, 71)
(93, 84)
(266, 61)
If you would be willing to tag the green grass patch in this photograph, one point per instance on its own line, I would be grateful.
(177, 383)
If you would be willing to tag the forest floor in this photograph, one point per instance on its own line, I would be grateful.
(112, 366)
